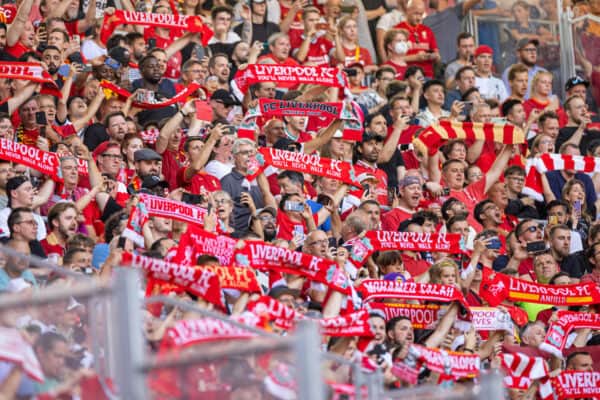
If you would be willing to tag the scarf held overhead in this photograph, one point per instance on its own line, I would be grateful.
(180, 97)
(186, 23)
(432, 138)
(260, 255)
(577, 384)
(25, 71)
(459, 365)
(559, 330)
(498, 287)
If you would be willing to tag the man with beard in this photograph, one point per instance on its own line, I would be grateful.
(62, 220)
(560, 246)
(267, 217)
(152, 78)
(366, 154)
(559, 213)
(218, 65)
(147, 163)
(410, 193)
(575, 131)
(527, 55)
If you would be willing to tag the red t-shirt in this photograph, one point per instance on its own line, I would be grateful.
(358, 54)
(200, 181)
(382, 180)
(414, 267)
(318, 50)
(470, 196)
(170, 167)
(532, 104)
(422, 39)
(390, 221)
(285, 226)
(17, 50)
(400, 69)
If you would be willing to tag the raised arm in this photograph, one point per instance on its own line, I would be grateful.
(92, 109)
(90, 17)
(16, 28)
(436, 338)
(21, 96)
(391, 144)
(198, 162)
(497, 169)
(322, 139)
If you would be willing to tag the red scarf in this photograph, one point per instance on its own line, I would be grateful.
(497, 287)
(577, 384)
(557, 334)
(371, 289)
(405, 241)
(278, 313)
(185, 23)
(254, 73)
(26, 71)
(8, 13)
(43, 161)
(154, 206)
(180, 97)
(310, 164)
(352, 117)
(196, 241)
(422, 316)
(432, 138)
(16, 350)
(260, 255)
(459, 365)
(354, 324)
(201, 282)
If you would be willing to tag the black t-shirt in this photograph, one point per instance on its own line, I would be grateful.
(567, 132)
(93, 135)
(260, 32)
(390, 168)
(576, 265)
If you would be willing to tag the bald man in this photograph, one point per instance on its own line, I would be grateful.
(424, 51)
(317, 244)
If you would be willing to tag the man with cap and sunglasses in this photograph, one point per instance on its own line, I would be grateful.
(489, 86)
(409, 195)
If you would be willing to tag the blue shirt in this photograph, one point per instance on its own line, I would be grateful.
(314, 208)
(5, 279)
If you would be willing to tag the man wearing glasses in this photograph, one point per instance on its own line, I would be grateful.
(527, 54)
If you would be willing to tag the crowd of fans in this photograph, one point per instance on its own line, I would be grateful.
(102, 107)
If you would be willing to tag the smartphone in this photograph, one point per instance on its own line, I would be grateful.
(121, 242)
(151, 43)
(577, 206)
(536, 247)
(75, 58)
(190, 198)
(350, 72)
(494, 244)
(293, 206)
(40, 118)
(77, 39)
(86, 68)
(200, 53)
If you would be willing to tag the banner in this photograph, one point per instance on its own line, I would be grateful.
(180, 97)
(577, 384)
(8, 13)
(260, 255)
(371, 289)
(373, 241)
(27, 71)
(487, 319)
(185, 23)
(559, 330)
(422, 316)
(308, 163)
(278, 313)
(14, 349)
(459, 365)
(497, 287)
(254, 73)
(201, 282)
(43, 161)
(433, 137)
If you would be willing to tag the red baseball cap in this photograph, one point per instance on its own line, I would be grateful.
(483, 49)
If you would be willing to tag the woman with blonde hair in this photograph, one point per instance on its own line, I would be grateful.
(541, 97)
(347, 50)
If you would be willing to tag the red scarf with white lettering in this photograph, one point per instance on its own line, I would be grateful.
(374, 241)
(432, 138)
(328, 112)
(155, 206)
(422, 316)
(180, 97)
(371, 289)
(497, 287)
(186, 23)
(310, 164)
(43, 161)
(278, 313)
(196, 241)
(577, 384)
(201, 282)
(27, 71)
(458, 365)
(559, 330)
(254, 73)
(554, 162)
(260, 255)
(354, 324)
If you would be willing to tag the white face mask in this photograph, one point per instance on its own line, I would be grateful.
(401, 47)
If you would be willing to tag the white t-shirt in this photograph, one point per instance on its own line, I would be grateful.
(91, 50)
(491, 88)
(218, 169)
(41, 228)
